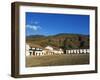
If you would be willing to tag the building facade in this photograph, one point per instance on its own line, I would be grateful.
(51, 51)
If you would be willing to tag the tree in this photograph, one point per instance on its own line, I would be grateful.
(82, 43)
(66, 44)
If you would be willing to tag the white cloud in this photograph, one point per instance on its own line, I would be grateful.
(34, 22)
(33, 27)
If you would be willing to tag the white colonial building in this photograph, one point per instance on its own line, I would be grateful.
(34, 51)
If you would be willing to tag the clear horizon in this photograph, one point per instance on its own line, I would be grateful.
(51, 24)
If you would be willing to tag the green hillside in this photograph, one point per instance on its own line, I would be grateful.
(63, 40)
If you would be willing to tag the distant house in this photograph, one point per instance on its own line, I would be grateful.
(37, 52)
(33, 51)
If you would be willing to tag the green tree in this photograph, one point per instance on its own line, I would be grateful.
(66, 44)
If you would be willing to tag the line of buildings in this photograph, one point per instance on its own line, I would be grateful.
(34, 51)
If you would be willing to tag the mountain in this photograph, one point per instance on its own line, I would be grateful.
(35, 36)
(62, 40)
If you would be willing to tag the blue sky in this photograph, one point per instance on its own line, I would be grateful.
(51, 24)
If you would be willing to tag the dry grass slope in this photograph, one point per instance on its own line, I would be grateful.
(57, 60)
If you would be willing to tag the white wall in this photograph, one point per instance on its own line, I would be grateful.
(5, 37)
